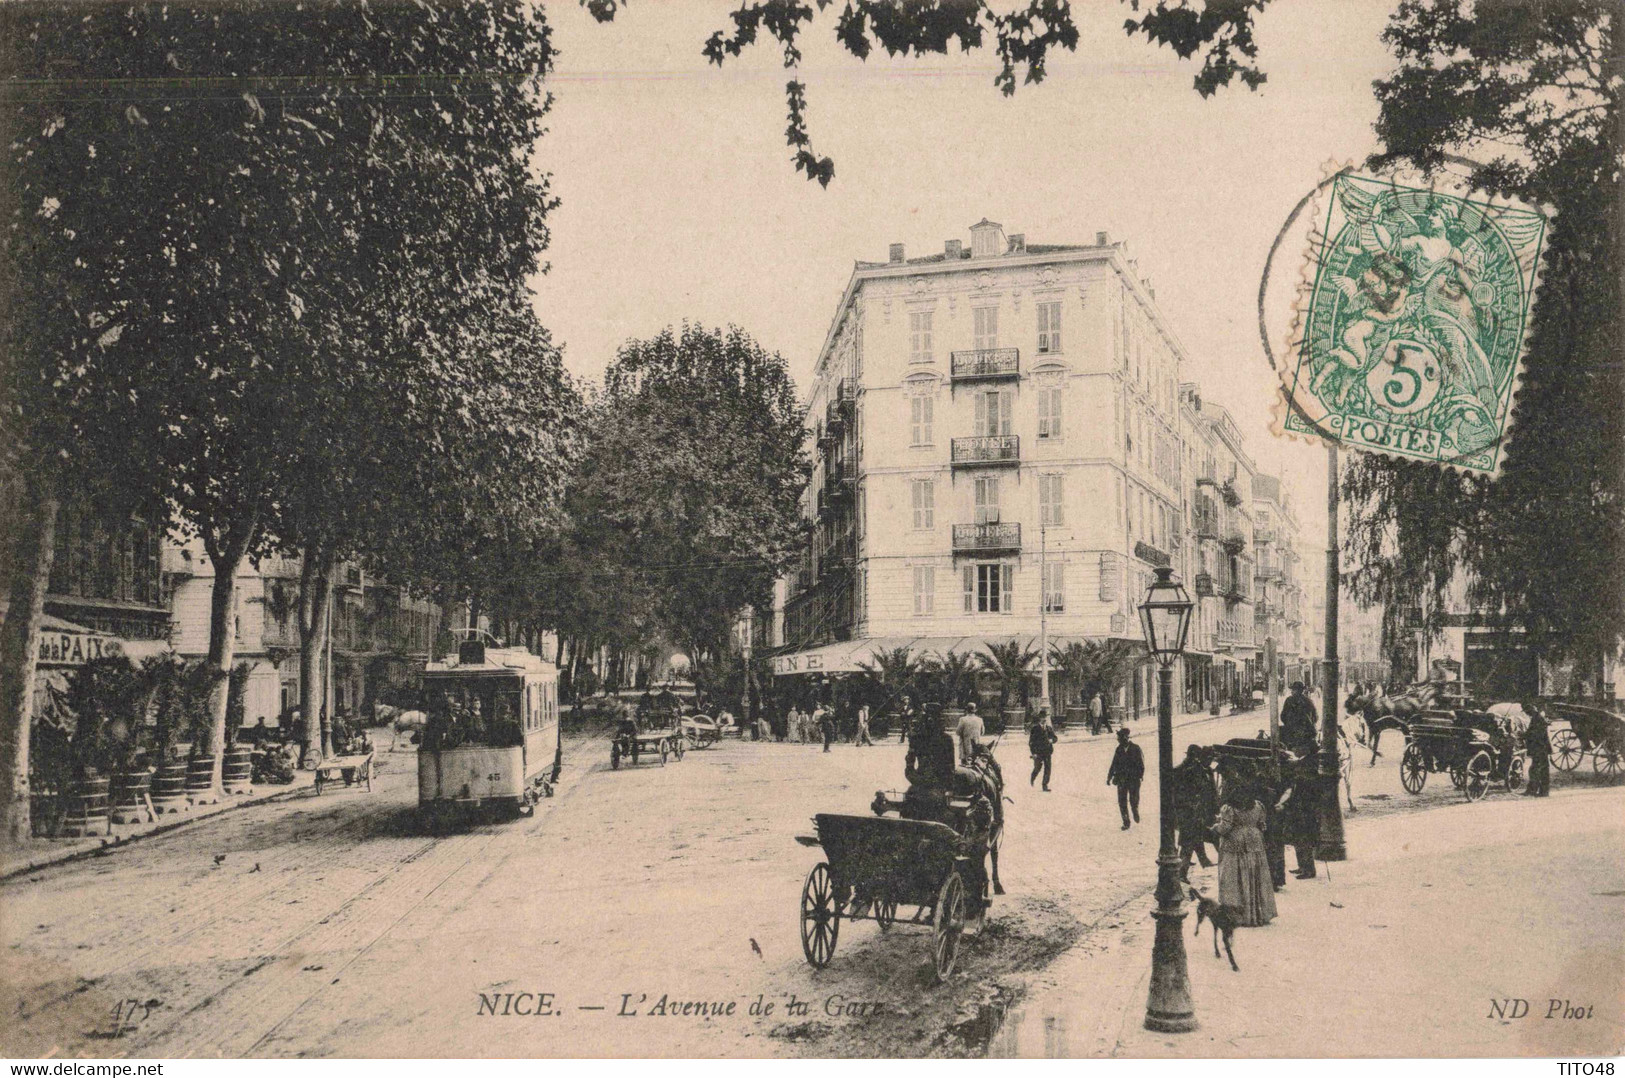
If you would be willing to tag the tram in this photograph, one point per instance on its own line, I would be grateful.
(491, 742)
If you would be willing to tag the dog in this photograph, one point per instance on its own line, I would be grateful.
(1224, 922)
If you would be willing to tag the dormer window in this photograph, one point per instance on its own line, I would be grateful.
(986, 239)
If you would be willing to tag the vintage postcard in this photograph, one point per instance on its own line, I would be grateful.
(541, 529)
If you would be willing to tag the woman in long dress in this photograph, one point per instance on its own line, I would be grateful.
(1244, 872)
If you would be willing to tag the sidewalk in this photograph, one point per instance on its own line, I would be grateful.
(1397, 952)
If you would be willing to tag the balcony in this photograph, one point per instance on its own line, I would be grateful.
(1235, 631)
(1234, 541)
(1205, 523)
(1235, 590)
(1269, 569)
(986, 364)
(987, 538)
(992, 451)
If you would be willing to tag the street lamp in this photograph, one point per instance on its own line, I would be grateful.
(1166, 618)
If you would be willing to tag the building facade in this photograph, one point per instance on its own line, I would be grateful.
(998, 455)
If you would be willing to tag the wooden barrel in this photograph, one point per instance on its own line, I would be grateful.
(1077, 716)
(130, 795)
(1012, 718)
(88, 816)
(200, 780)
(237, 770)
(169, 788)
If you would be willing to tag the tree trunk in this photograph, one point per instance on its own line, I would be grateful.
(33, 545)
(315, 576)
(227, 557)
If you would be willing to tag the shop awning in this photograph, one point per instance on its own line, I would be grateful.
(847, 656)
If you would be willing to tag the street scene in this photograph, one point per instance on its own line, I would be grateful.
(589, 905)
(759, 530)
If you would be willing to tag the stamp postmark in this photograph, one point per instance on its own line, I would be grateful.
(1413, 317)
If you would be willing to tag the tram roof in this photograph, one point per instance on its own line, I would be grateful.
(497, 661)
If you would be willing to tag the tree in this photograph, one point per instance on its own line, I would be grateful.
(1219, 31)
(318, 185)
(1097, 665)
(697, 462)
(893, 672)
(1533, 93)
(1011, 667)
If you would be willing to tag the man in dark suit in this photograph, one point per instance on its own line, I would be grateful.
(1298, 719)
(1196, 805)
(1538, 744)
(1128, 768)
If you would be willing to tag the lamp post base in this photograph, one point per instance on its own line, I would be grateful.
(1168, 1008)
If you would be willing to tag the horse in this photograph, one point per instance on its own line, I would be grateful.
(1380, 712)
(991, 775)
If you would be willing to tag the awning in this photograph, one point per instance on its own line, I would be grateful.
(846, 656)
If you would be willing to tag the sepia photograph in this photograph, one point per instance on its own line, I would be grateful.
(553, 529)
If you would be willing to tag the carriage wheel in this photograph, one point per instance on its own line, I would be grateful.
(1413, 774)
(1566, 750)
(947, 924)
(678, 747)
(614, 757)
(885, 912)
(1514, 775)
(820, 917)
(1476, 776)
(665, 751)
(1606, 761)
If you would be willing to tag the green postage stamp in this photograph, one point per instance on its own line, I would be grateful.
(1412, 321)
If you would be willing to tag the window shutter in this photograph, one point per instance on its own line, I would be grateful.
(1007, 589)
(970, 589)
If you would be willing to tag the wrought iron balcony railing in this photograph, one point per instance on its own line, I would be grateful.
(985, 363)
(998, 538)
(990, 450)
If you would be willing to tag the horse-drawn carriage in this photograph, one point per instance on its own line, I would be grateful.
(1590, 731)
(1476, 748)
(631, 743)
(928, 850)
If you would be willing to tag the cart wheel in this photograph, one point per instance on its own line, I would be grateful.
(665, 751)
(678, 746)
(885, 913)
(947, 923)
(614, 757)
(1514, 775)
(1413, 773)
(820, 917)
(1606, 761)
(1476, 776)
(1566, 750)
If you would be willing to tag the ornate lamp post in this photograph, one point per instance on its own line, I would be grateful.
(1166, 618)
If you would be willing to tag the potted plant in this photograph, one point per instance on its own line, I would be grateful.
(1009, 665)
(888, 679)
(947, 679)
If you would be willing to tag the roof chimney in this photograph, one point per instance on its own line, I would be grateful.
(896, 254)
(1018, 243)
(1102, 239)
(953, 248)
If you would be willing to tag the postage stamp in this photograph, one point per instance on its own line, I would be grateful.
(1413, 317)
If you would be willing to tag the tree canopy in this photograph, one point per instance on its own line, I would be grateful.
(1532, 93)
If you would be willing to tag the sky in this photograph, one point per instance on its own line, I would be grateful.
(678, 199)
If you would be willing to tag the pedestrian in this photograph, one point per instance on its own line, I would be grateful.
(969, 733)
(1244, 874)
(825, 722)
(1538, 744)
(1128, 768)
(1196, 803)
(1298, 721)
(1041, 738)
(1097, 713)
(1300, 816)
(1269, 793)
(863, 725)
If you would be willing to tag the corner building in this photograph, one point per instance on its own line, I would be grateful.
(997, 430)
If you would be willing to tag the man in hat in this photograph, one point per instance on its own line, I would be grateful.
(1041, 738)
(969, 732)
(1128, 768)
(1298, 719)
(1196, 806)
(1538, 744)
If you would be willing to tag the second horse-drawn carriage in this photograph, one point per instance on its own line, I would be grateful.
(1590, 731)
(922, 859)
(1476, 748)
